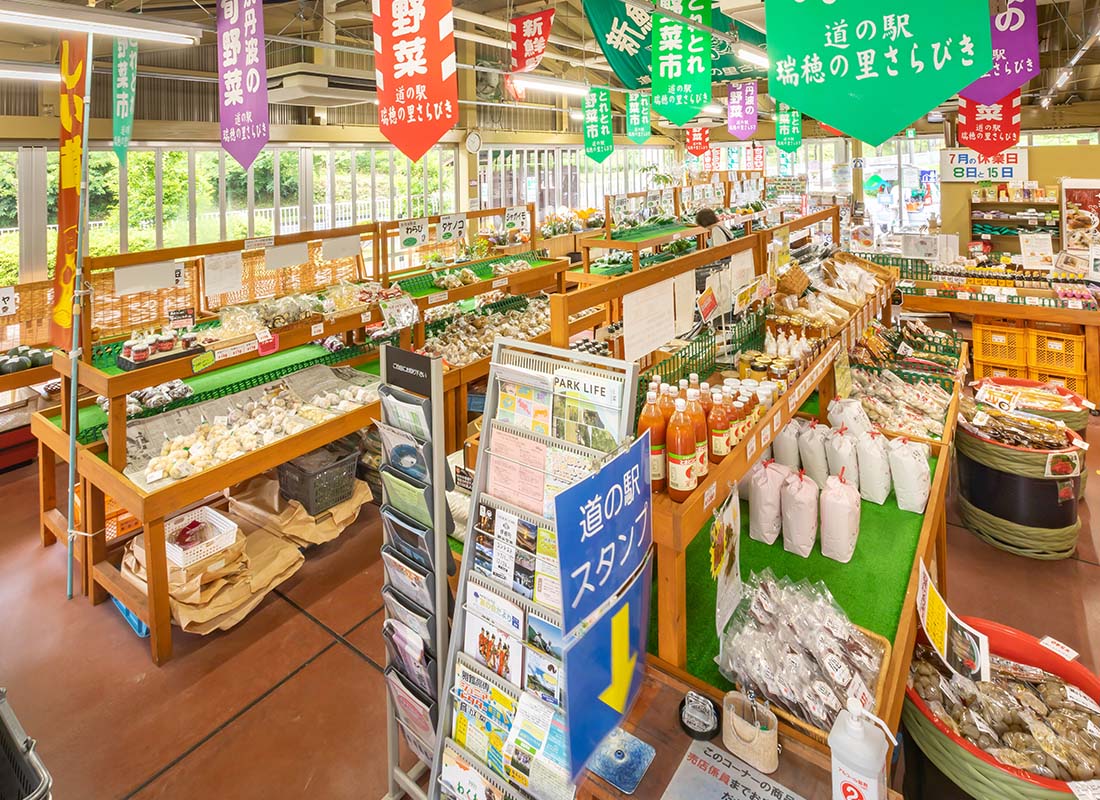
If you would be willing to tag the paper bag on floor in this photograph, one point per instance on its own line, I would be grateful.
(189, 584)
(258, 500)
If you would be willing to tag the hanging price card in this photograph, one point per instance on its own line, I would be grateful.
(452, 228)
(412, 232)
(515, 218)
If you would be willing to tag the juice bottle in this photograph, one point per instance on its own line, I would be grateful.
(683, 389)
(699, 420)
(665, 401)
(693, 381)
(737, 425)
(680, 446)
(653, 420)
(719, 425)
(705, 397)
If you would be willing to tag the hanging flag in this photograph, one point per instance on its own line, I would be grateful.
(788, 128)
(637, 117)
(1015, 35)
(599, 141)
(870, 69)
(74, 51)
(741, 109)
(624, 35)
(830, 130)
(989, 128)
(414, 64)
(242, 79)
(681, 61)
(124, 87)
(755, 158)
(529, 36)
(697, 141)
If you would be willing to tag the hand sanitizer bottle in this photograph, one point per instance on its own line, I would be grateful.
(859, 754)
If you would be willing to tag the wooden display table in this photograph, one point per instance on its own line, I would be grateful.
(654, 720)
(636, 246)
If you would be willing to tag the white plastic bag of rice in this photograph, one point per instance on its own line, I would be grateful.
(800, 500)
(840, 451)
(765, 520)
(874, 467)
(911, 473)
(811, 449)
(849, 412)
(785, 445)
(839, 519)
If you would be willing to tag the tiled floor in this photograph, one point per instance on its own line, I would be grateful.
(291, 703)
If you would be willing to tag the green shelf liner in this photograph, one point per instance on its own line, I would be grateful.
(422, 286)
(870, 588)
(644, 232)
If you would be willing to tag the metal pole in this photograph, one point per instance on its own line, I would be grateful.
(78, 295)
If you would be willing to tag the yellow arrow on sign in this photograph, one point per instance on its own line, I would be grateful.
(622, 661)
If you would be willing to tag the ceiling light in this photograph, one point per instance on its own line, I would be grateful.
(753, 56)
(1058, 84)
(713, 108)
(23, 71)
(550, 85)
(117, 24)
(1045, 102)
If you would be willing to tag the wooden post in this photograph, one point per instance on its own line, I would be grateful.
(160, 613)
(559, 321)
(116, 432)
(671, 605)
(1092, 362)
(95, 546)
(47, 491)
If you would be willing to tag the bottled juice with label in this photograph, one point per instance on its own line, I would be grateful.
(699, 420)
(680, 447)
(666, 401)
(693, 381)
(738, 424)
(719, 425)
(705, 397)
(652, 420)
(683, 389)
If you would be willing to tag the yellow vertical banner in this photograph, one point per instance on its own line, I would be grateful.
(74, 51)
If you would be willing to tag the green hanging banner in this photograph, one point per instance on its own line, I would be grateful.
(599, 141)
(870, 69)
(624, 35)
(788, 128)
(681, 61)
(124, 83)
(637, 118)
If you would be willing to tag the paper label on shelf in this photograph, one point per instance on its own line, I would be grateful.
(930, 293)
(451, 228)
(202, 361)
(963, 295)
(1076, 696)
(515, 218)
(1031, 301)
(154, 476)
(437, 298)
(9, 301)
(412, 232)
(709, 495)
(181, 318)
(236, 350)
(765, 435)
(222, 273)
(750, 446)
(905, 350)
(365, 317)
(221, 420)
(792, 404)
(500, 282)
(1064, 650)
(317, 329)
(259, 242)
(1085, 790)
(777, 424)
(1076, 305)
(263, 336)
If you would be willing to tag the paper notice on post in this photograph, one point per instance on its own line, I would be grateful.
(222, 273)
(964, 650)
(286, 255)
(685, 301)
(145, 277)
(649, 320)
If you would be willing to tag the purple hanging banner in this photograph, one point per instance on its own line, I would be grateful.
(1015, 53)
(741, 109)
(242, 79)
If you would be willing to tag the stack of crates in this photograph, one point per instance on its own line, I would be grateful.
(1000, 348)
(1039, 351)
(1056, 354)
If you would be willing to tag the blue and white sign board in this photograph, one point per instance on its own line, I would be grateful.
(604, 669)
(605, 529)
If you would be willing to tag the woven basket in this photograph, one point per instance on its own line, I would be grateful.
(794, 281)
(974, 771)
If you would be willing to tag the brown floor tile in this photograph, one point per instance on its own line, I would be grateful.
(341, 581)
(321, 734)
(367, 638)
(83, 684)
(1055, 598)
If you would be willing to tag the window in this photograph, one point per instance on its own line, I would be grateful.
(289, 209)
(263, 193)
(9, 217)
(236, 199)
(207, 196)
(1064, 138)
(141, 200)
(364, 187)
(341, 188)
(175, 199)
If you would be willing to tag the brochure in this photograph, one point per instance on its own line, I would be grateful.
(493, 648)
(964, 650)
(411, 498)
(413, 708)
(404, 452)
(494, 608)
(535, 752)
(517, 470)
(526, 407)
(406, 651)
(544, 635)
(542, 677)
(409, 412)
(420, 748)
(459, 778)
(587, 409)
(411, 539)
(483, 716)
(418, 619)
(408, 578)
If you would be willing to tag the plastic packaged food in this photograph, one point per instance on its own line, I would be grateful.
(785, 445)
(765, 503)
(911, 474)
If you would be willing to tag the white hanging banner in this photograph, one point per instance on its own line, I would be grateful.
(222, 273)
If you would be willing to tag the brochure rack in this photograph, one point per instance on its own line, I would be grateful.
(416, 556)
(505, 658)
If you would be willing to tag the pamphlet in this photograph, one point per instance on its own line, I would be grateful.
(404, 452)
(408, 578)
(544, 635)
(413, 708)
(406, 411)
(535, 753)
(409, 497)
(542, 677)
(483, 716)
(418, 619)
(494, 608)
(493, 648)
(411, 539)
(588, 409)
(725, 559)
(406, 651)
(511, 476)
(458, 778)
(526, 407)
(420, 748)
(964, 650)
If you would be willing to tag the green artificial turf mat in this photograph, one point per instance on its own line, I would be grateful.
(812, 406)
(870, 588)
(371, 367)
(650, 232)
(456, 546)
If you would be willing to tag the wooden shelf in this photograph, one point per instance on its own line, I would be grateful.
(528, 280)
(1014, 202)
(28, 377)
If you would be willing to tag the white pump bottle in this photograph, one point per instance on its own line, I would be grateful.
(859, 754)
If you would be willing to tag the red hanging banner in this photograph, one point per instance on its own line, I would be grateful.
(414, 64)
(990, 128)
(698, 140)
(830, 130)
(74, 51)
(529, 36)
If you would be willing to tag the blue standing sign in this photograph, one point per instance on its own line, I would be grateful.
(604, 669)
(605, 529)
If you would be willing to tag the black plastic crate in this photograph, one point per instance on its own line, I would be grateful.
(22, 774)
(320, 479)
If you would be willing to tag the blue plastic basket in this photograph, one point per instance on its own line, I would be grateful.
(132, 619)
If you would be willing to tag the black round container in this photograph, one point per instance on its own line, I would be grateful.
(1026, 501)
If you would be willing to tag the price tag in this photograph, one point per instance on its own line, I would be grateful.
(328, 305)
(777, 423)
(1008, 291)
(452, 227)
(515, 218)
(1076, 696)
(905, 350)
(500, 282)
(365, 317)
(437, 298)
(750, 446)
(317, 329)
(179, 318)
(9, 301)
(221, 420)
(1074, 304)
(1085, 790)
(792, 404)
(1031, 301)
(202, 361)
(259, 242)
(986, 237)
(963, 295)
(412, 232)
(765, 435)
(154, 476)
(263, 336)
(930, 293)
(709, 494)
(1064, 650)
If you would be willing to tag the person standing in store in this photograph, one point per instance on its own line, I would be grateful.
(706, 218)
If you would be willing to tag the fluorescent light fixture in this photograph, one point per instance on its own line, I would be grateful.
(713, 108)
(1045, 102)
(576, 116)
(753, 56)
(103, 22)
(551, 85)
(24, 71)
(1058, 84)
